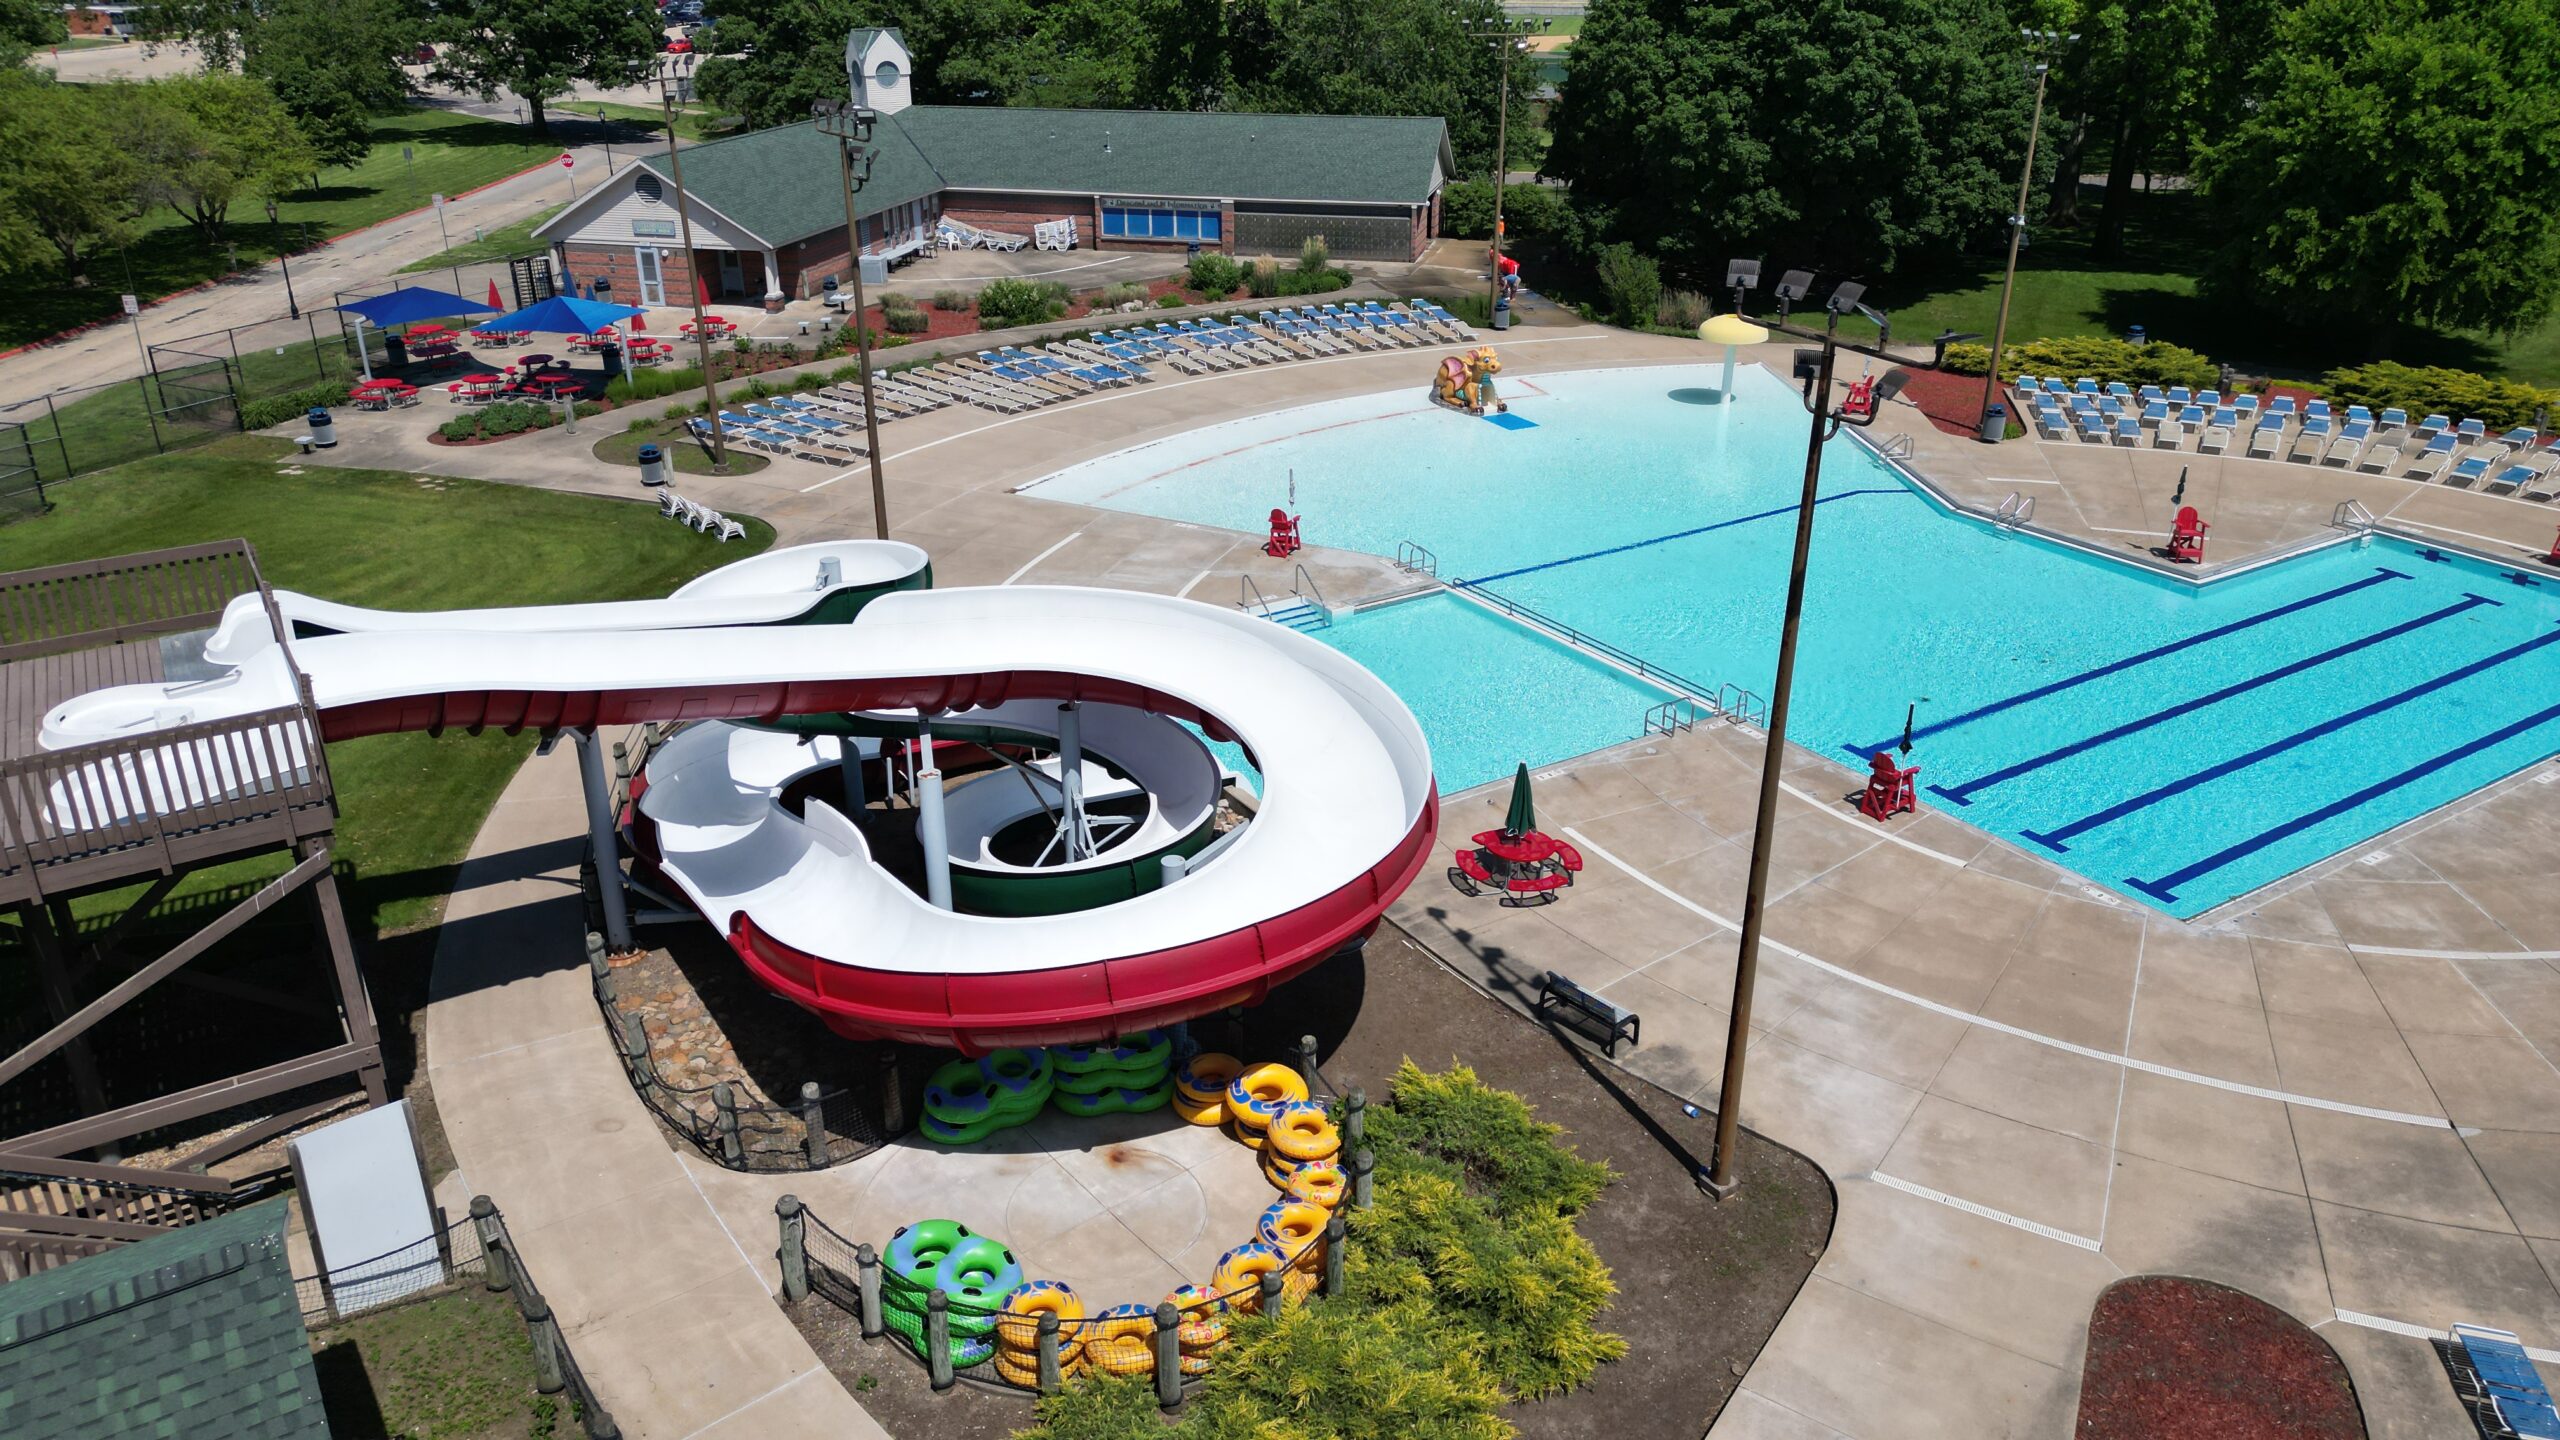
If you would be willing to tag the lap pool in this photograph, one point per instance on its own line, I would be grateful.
(2178, 744)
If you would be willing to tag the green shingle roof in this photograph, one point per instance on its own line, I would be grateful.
(782, 183)
(195, 1333)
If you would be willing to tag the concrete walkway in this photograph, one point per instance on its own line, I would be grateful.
(2338, 1095)
(668, 1311)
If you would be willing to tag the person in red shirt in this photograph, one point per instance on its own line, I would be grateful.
(1510, 277)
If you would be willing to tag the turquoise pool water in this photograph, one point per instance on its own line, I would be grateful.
(2181, 745)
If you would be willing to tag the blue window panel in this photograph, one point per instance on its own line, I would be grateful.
(1209, 225)
(1163, 223)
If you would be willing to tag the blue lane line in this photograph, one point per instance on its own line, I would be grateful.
(2165, 888)
(1963, 794)
(1677, 535)
(2130, 661)
(2052, 839)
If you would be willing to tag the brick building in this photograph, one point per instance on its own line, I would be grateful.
(768, 207)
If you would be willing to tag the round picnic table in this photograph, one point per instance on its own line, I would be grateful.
(554, 383)
(381, 394)
(476, 387)
(711, 325)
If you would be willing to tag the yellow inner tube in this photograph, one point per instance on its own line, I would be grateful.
(1199, 1112)
(1301, 1132)
(1121, 1356)
(1206, 1077)
(1260, 1093)
(1321, 1183)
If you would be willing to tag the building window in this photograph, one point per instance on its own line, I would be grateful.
(654, 229)
(649, 189)
(1160, 220)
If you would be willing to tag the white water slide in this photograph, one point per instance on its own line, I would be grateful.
(1345, 820)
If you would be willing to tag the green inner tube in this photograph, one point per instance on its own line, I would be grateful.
(1126, 1100)
(1096, 1082)
(901, 1298)
(1016, 1072)
(959, 1093)
(909, 1326)
(1150, 1049)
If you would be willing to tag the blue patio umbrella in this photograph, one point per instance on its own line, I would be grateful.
(563, 315)
(407, 305)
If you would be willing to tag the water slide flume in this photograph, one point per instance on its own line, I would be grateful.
(1345, 820)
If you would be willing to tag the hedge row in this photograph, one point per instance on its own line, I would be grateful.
(2434, 390)
(2094, 356)
(277, 409)
(1529, 211)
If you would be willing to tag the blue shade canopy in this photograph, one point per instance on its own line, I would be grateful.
(414, 302)
(562, 315)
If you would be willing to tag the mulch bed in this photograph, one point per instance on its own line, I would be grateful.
(2178, 1359)
(1953, 403)
(1701, 1285)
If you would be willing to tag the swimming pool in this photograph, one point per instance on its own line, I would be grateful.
(2178, 744)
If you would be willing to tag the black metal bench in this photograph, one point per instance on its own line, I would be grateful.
(1609, 1023)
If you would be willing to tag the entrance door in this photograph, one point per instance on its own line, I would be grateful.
(653, 285)
(733, 274)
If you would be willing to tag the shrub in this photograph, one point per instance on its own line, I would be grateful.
(909, 321)
(651, 382)
(1263, 280)
(277, 409)
(2098, 357)
(893, 301)
(506, 417)
(1529, 211)
(1170, 302)
(955, 301)
(2433, 390)
(1214, 275)
(1313, 256)
(1314, 282)
(1010, 302)
(1683, 310)
(1631, 282)
(1115, 296)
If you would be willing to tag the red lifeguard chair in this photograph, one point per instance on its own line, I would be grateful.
(1284, 540)
(1861, 401)
(2186, 541)
(1889, 789)
(2554, 557)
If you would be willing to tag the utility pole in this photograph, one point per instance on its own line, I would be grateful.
(673, 71)
(2040, 46)
(1510, 37)
(851, 126)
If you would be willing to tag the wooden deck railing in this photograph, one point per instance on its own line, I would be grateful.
(125, 597)
(53, 1212)
(160, 801)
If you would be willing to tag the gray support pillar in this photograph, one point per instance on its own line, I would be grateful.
(1168, 1341)
(795, 1247)
(849, 764)
(1335, 1228)
(813, 1124)
(1172, 867)
(1079, 844)
(866, 1285)
(1051, 1381)
(937, 1339)
(1355, 1117)
(1362, 1163)
(605, 838)
(496, 1271)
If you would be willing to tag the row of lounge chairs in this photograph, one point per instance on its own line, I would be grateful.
(699, 516)
(825, 426)
(2433, 448)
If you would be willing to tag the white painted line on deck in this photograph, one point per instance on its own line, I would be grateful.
(2017, 480)
(2454, 954)
(1034, 562)
(1872, 832)
(1194, 582)
(2421, 1332)
(1957, 1202)
(1158, 387)
(2285, 1097)
(2500, 540)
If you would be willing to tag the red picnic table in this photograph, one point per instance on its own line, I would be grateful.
(475, 389)
(646, 352)
(712, 325)
(1525, 868)
(553, 384)
(501, 337)
(382, 394)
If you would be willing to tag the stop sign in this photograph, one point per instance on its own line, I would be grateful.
(568, 161)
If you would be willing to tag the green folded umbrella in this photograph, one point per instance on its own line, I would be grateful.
(1523, 815)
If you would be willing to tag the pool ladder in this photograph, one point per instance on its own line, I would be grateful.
(2015, 511)
(1303, 609)
(1684, 712)
(1414, 558)
(2351, 515)
(1896, 448)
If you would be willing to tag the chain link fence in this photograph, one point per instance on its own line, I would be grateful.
(477, 1249)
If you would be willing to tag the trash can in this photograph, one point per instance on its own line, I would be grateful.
(395, 349)
(604, 290)
(323, 433)
(1995, 423)
(1501, 317)
(610, 352)
(2137, 334)
(653, 465)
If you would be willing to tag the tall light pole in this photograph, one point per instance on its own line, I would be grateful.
(292, 307)
(1827, 420)
(2040, 46)
(1509, 37)
(851, 126)
(673, 71)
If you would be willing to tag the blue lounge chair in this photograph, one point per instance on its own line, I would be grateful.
(2350, 443)
(2313, 436)
(2395, 418)
(2155, 411)
(2215, 437)
(2179, 396)
(2209, 399)
(2128, 430)
(2472, 431)
(2266, 436)
(2432, 460)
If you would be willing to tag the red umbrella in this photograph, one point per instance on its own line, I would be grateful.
(703, 285)
(639, 324)
(493, 296)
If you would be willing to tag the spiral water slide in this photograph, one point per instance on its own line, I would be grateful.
(1345, 819)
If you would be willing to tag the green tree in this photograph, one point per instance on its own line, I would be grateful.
(2403, 166)
(1381, 57)
(1817, 133)
(27, 26)
(334, 64)
(63, 195)
(537, 49)
(206, 141)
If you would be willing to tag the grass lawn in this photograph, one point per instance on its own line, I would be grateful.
(410, 803)
(2064, 290)
(454, 153)
(457, 1367)
(693, 122)
(691, 456)
(504, 243)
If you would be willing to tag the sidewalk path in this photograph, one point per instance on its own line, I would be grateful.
(668, 1311)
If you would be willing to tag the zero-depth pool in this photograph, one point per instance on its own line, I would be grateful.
(2181, 744)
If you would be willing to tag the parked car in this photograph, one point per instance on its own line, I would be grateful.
(680, 46)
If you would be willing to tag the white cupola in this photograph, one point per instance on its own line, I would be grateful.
(877, 68)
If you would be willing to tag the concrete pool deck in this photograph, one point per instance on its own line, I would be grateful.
(2338, 1094)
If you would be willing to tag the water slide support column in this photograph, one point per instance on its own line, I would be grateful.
(606, 839)
(930, 829)
(849, 765)
(1071, 781)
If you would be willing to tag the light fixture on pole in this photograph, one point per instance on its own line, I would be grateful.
(1719, 1180)
(1509, 37)
(673, 72)
(293, 307)
(2040, 46)
(851, 125)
